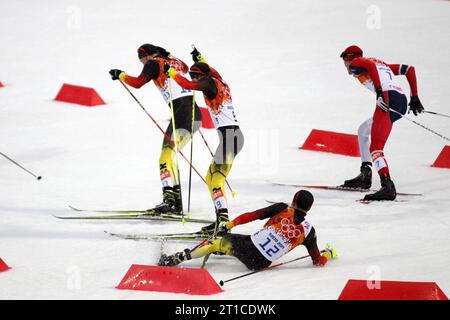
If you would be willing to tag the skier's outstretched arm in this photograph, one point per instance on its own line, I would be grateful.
(311, 245)
(207, 86)
(183, 82)
(149, 72)
(410, 73)
(260, 214)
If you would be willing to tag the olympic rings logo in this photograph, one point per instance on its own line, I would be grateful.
(289, 229)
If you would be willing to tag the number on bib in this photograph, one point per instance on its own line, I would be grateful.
(271, 244)
(269, 247)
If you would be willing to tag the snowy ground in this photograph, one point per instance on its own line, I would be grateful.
(282, 63)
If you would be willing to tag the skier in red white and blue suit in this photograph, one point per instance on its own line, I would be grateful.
(391, 104)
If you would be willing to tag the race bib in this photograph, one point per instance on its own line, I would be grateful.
(225, 117)
(270, 243)
(176, 90)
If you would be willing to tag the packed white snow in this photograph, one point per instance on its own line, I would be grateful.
(281, 60)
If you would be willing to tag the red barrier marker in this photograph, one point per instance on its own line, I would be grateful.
(391, 290)
(79, 95)
(334, 142)
(1, 84)
(3, 266)
(169, 279)
(443, 160)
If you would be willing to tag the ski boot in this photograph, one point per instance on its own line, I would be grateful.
(387, 191)
(209, 230)
(172, 203)
(363, 180)
(174, 259)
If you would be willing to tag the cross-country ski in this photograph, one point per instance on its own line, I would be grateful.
(338, 188)
(131, 216)
(188, 236)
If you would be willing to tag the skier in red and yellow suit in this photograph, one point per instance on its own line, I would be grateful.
(220, 105)
(154, 59)
(285, 230)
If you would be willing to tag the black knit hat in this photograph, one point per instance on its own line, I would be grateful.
(303, 200)
(148, 49)
(199, 69)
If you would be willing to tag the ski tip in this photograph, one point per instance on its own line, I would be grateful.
(39, 177)
(363, 201)
(221, 283)
(410, 194)
(59, 217)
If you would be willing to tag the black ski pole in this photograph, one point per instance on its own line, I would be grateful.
(177, 150)
(420, 125)
(436, 113)
(213, 236)
(202, 242)
(37, 177)
(222, 282)
(192, 150)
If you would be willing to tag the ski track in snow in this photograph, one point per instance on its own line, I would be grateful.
(282, 64)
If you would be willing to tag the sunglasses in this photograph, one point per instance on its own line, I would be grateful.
(349, 56)
(195, 74)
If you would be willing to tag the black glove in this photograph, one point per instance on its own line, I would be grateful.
(115, 73)
(380, 100)
(415, 105)
(196, 56)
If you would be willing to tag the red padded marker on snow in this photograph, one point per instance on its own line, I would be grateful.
(79, 95)
(391, 290)
(333, 142)
(3, 266)
(169, 279)
(443, 160)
